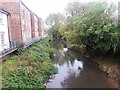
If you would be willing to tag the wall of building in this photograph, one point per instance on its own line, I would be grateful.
(23, 26)
(32, 25)
(26, 24)
(4, 37)
(36, 26)
(41, 27)
(14, 21)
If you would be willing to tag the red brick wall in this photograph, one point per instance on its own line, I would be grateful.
(15, 8)
(36, 26)
(26, 24)
(39, 25)
(13, 20)
(32, 25)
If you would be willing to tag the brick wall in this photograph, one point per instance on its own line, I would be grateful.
(32, 25)
(42, 27)
(36, 26)
(23, 24)
(39, 25)
(13, 20)
(26, 24)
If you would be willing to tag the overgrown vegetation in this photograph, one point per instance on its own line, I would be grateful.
(56, 23)
(92, 27)
(96, 30)
(28, 68)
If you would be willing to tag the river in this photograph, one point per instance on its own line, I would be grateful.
(75, 71)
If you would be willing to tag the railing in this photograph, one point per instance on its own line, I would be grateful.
(31, 41)
(13, 47)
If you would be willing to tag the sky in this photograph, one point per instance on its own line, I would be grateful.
(44, 7)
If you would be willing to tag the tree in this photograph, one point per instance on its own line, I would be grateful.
(96, 30)
(56, 24)
(55, 19)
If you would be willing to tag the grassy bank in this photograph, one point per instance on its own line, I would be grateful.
(28, 68)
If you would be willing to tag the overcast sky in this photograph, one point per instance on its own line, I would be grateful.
(44, 7)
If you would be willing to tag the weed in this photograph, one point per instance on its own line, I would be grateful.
(29, 69)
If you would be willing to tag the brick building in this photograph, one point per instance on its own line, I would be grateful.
(24, 27)
(34, 23)
(25, 24)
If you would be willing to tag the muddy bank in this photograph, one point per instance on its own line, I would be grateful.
(109, 66)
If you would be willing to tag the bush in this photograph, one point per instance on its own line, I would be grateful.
(33, 68)
(97, 31)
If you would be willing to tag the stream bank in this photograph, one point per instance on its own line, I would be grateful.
(76, 71)
(108, 65)
(28, 68)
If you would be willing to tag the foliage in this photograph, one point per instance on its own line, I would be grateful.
(55, 19)
(96, 30)
(92, 27)
(54, 32)
(56, 23)
(30, 69)
(20, 49)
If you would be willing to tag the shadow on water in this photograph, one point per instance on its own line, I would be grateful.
(75, 72)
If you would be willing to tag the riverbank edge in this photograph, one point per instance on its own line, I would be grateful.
(113, 74)
(110, 73)
(18, 59)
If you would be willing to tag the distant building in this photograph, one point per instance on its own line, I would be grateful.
(18, 27)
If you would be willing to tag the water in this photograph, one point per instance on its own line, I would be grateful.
(76, 72)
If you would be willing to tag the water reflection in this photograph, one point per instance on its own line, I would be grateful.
(65, 71)
(68, 66)
(65, 49)
(75, 72)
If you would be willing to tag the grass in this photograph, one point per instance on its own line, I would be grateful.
(28, 68)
